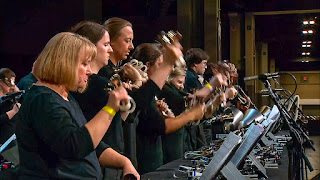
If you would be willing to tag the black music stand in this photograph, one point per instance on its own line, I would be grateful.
(298, 156)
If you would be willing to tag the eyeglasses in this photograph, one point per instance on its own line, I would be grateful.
(204, 63)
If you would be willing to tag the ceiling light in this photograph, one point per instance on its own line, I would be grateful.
(303, 45)
(302, 61)
(306, 61)
(308, 53)
(303, 53)
(311, 22)
(308, 45)
(309, 42)
(305, 22)
(310, 31)
(304, 32)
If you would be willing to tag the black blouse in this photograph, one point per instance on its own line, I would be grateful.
(7, 126)
(53, 141)
(150, 127)
(92, 101)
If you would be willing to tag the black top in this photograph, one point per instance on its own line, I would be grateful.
(195, 137)
(192, 81)
(174, 98)
(173, 143)
(108, 70)
(7, 126)
(151, 122)
(53, 141)
(92, 101)
(25, 83)
(150, 127)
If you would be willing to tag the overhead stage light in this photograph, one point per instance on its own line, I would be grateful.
(311, 22)
(305, 22)
(303, 45)
(309, 45)
(308, 53)
(305, 32)
(310, 31)
(303, 53)
(306, 42)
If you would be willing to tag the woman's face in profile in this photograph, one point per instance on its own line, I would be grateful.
(178, 81)
(123, 44)
(84, 71)
(103, 49)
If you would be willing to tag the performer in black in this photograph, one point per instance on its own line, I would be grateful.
(173, 94)
(55, 140)
(151, 124)
(96, 95)
(196, 60)
(7, 108)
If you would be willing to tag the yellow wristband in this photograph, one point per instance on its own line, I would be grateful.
(109, 110)
(210, 87)
(214, 107)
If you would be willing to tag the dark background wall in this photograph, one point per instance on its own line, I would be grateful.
(26, 26)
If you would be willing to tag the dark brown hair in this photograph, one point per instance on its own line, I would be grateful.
(5, 75)
(91, 30)
(195, 56)
(147, 52)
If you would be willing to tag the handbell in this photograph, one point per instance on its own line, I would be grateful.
(237, 116)
(169, 38)
(251, 115)
(265, 110)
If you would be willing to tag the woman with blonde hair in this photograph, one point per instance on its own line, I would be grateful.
(55, 140)
(175, 97)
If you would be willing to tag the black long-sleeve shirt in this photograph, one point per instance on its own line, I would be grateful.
(173, 143)
(53, 141)
(92, 101)
(195, 134)
(7, 126)
(150, 128)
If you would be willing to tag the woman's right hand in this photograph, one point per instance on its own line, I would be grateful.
(116, 96)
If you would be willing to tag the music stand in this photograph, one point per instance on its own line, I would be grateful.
(221, 157)
(11, 154)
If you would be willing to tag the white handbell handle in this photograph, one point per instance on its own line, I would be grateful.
(129, 107)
